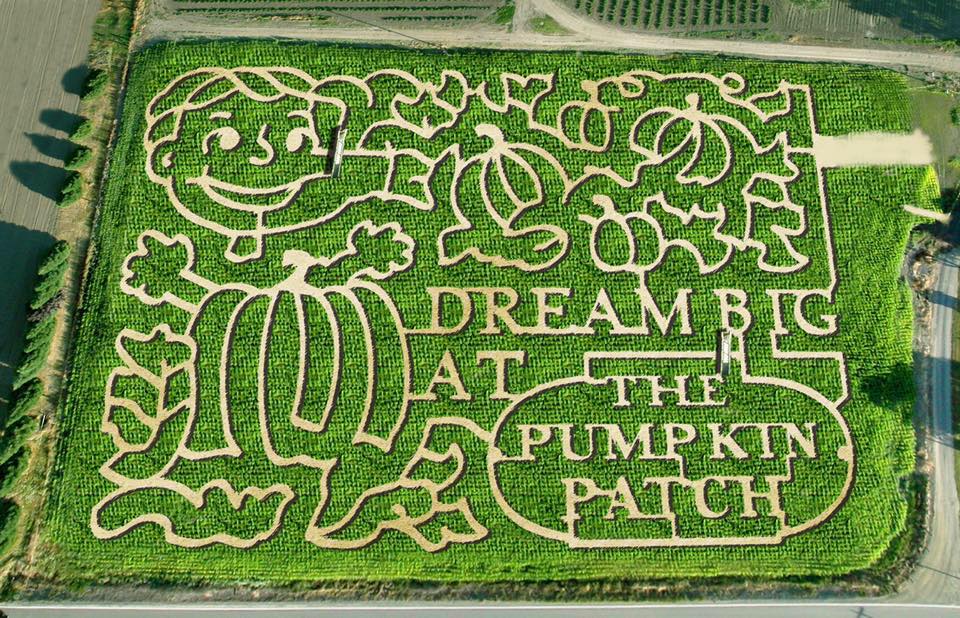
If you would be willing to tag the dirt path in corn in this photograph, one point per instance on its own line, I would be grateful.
(873, 149)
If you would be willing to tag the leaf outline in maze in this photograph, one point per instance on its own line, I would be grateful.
(491, 164)
(158, 481)
(160, 381)
(430, 93)
(702, 125)
(364, 232)
(141, 290)
(412, 482)
(516, 91)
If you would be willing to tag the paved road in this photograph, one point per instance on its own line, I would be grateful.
(938, 576)
(40, 42)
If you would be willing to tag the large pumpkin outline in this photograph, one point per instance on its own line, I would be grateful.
(301, 296)
(359, 293)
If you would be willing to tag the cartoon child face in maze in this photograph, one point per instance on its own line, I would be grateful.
(232, 146)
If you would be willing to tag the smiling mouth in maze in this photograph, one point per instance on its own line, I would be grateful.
(240, 197)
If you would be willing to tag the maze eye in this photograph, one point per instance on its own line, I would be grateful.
(297, 139)
(228, 138)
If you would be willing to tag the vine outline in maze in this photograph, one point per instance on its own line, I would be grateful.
(198, 91)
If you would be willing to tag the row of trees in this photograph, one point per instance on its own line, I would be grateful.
(18, 423)
(76, 183)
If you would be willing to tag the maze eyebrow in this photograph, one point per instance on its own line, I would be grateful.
(221, 115)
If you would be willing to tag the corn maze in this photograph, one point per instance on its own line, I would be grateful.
(361, 314)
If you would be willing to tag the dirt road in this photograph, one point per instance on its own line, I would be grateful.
(938, 576)
(40, 42)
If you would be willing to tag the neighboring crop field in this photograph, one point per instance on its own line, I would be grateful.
(378, 314)
(683, 14)
(412, 12)
(833, 19)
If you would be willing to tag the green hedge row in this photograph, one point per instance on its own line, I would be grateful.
(75, 184)
(17, 424)
(9, 516)
(47, 298)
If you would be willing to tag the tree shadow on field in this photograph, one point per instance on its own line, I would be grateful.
(936, 18)
(50, 146)
(75, 79)
(42, 178)
(59, 120)
(46, 180)
(939, 298)
(948, 198)
(948, 232)
(926, 410)
(890, 390)
(20, 252)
